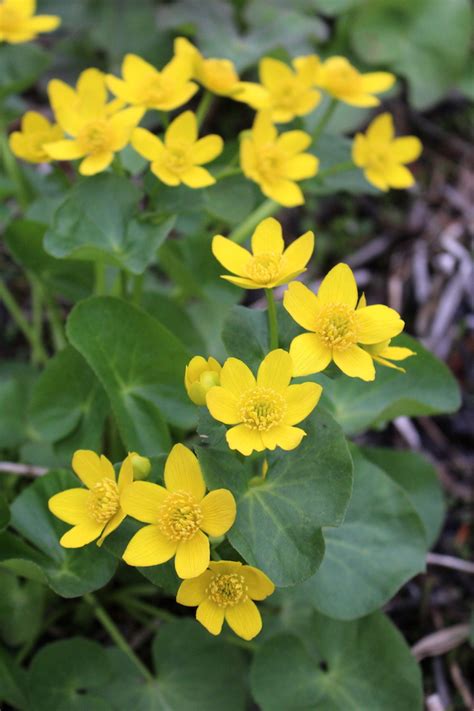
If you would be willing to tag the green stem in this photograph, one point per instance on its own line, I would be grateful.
(335, 169)
(203, 108)
(36, 318)
(116, 635)
(145, 607)
(324, 120)
(137, 289)
(117, 166)
(267, 208)
(272, 319)
(13, 171)
(227, 172)
(165, 121)
(17, 315)
(55, 323)
(99, 288)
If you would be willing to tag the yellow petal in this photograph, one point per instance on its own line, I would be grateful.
(90, 468)
(136, 71)
(122, 124)
(207, 148)
(143, 500)
(301, 167)
(399, 177)
(236, 377)
(275, 370)
(309, 354)
(197, 177)
(268, 238)
(120, 89)
(231, 255)
(284, 192)
(355, 362)
(244, 619)
(245, 283)
(125, 477)
(283, 436)
(219, 511)
(377, 82)
(91, 90)
(96, 163)
(274, 73)
(225, 567)
(360, 150)
(363, 101)
(70, 506)
(164, 174)
(301, 400)
(253, 94)
(194, 368)
(183, 130)
(192, 556)
(210, 616)
(183, 473)
(43, 23)
(259, 585)
(82, 534)
(192, 592)
(381, 129)
(149, 547)
(377, 323)
(263, 130)
(406, 149)
(377, 179)
(339, 287)
(222, 405)
(396, 353)
(113, 524)
(388, 364)
(146, 144)
(244, 440)
(33, 121)
(64, 150)
(302, 305)
(297, 255)
(293, 142)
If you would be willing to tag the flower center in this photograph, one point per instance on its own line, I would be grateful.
(336, 326)
(227, 590)
(262, 408)
(287, 96)
(177, 159)
(36, 143)
(95, 137)
(10, 19)
(268, 163)
(179, 516)
(155, 92)
(219, 74)
(342, 78)
(104, 501)
(264, 268)
(378, 159)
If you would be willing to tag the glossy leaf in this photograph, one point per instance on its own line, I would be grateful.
(231, 199)
(4, 513)
(12, 681)
(20, 66)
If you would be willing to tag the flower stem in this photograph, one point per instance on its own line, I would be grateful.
(325, 118)
(267, 208)
(99, 287)
(137, 289)
(115, 634)
(17, 315)
(228, 172)
(272, 319)
(335, 169)
(13, 171)
(203, 108)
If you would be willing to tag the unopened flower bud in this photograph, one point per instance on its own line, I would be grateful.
(200, 376)
(141, 466)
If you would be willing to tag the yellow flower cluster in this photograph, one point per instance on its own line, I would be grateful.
(18, 22)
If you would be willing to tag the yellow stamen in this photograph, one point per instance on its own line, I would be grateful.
(336, 326)
(227, 590)
(180, 516)
(104, 501)
(95, 137)
(264, 268)
(262, 408)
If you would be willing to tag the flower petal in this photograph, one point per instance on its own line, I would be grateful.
(96, 163)
(355, 362)
(82, 534)
(183, 130)
(301, 167)
(211, 616)
(192, 592)
(164, 174)
(339, 287)
(125, 477)
(285, 192)
(183, 473)
(259, 585)
(90, 468)
(147, 144)
(396, 353)
(377, 178)
(64, 150)
(360, 150)
(70, 506)
(207, 148)
(236, 377)
(218, 511)
(244, 619)
(149, 547)
(275, 370)
(273, 73)
(136, 70)
(268, 237)
(222, 405)
(309, 354)
(114, 523)
(399, 177)
(231, 255)
(301, 304)
(381, 129)
(142, 500)
(283, 436)
(407, 149)
(245, 283)
(297, 255)
(377, 82)
(122, 124)
(293, 142)
(377, 323)
(197, 177)
(301, 400)
(192, 556)
(244, 440)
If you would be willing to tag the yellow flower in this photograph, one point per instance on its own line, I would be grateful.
(143, 85)
(96, 131)
(94, 511)
(141, 466)
(226, 591)
(276, 162)
(263, 410)
(382, 156)
(200, 376)
(270, 264)
(284, 91)
(383, 352)
(18, 22)
(338, 328)
(36, 130)
(216, 75)
(180, 157)
(341, 80)
(178, 516)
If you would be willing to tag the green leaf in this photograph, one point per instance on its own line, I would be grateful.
(68, 401)
(364, 664)
(379, 546)
(245, 335)
(427, 388)
(230, 199)
(19, 557)
(21, 608)
(13, 682)
(16, 380)
(419, 479)
(141, 366)
(278, 526)
(4, 513)
(175, 318)
(69, 572)
(20, 66)
(99, 220)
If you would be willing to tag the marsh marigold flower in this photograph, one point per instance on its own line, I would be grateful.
(94, 512)
(383, 352)
(179, 515)
(276, 162)
(226, 591)
(179, 158)
(143, 85)
(285, 92)
(36, 130)
(382, 157)
(339, 331)
(18, 22)
(342, 81)
(262, 410)
(269, 264)
(200, 376)
(90, 90)
(217, 75)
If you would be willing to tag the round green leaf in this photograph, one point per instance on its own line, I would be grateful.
(230, 199)
(338, 666)
(4, 513)
(20, 66)
(380, 546)
(13, 682)
(278, 526)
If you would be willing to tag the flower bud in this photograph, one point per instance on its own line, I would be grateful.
(141, 466)
(200, 376)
